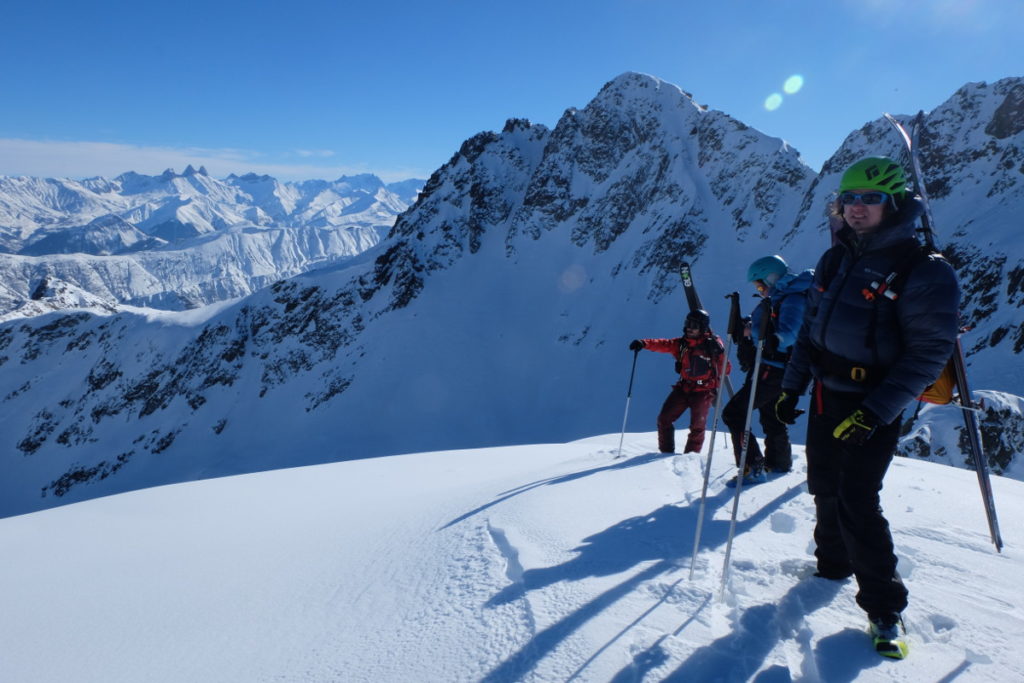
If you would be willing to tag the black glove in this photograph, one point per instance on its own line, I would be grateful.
(785, 408)
(857, 428)
(636, 345)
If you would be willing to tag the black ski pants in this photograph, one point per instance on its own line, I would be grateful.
(851, 534)
(778, 454)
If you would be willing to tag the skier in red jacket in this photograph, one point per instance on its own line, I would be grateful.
(698, 357)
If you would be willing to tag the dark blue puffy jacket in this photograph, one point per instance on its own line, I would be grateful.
(902, 345)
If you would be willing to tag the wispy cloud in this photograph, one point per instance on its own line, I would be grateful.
(321, 153)
(83, 159)
(964, 16)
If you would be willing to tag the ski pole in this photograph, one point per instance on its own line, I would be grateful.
(745, 447)
(629, 396)
(714, 430)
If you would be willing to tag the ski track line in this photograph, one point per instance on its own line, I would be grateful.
(514, 572)
(456, 592)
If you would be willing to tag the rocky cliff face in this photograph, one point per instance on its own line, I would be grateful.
(641, 159)
(497, 310)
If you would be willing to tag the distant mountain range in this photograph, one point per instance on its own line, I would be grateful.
(499, 307)
(180, 241)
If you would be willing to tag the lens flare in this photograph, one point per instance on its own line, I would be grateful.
(773, 101)
(572, 279)
(793, 84)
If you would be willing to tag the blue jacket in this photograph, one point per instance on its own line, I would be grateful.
(788, 299)
(901, 345)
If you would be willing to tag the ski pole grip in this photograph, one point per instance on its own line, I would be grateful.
(733, 328)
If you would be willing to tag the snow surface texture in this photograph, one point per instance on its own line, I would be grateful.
(530, 563)
(180, 241)
(499, 308)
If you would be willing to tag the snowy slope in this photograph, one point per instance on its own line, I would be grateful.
(497, 312)
(529, 563)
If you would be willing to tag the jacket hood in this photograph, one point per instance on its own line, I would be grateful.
(793, 282)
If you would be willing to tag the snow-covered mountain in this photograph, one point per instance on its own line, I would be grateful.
(533, 563)
(497, 311)
(180, 241)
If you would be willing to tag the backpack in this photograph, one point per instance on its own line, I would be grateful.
(702, 370)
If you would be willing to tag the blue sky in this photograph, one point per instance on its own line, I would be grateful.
(313, 89)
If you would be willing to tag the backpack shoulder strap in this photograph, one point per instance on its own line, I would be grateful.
(891, 286)
(829, 267)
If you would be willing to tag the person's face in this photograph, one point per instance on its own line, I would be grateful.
(762, 287)
(692, 332)
(858, 211)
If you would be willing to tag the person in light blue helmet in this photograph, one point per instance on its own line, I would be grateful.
(783, 299)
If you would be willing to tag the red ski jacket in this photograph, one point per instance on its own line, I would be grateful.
(698, 361)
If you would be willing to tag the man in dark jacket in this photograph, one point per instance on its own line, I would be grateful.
(783, 295)
(698, 355)
(870, 349)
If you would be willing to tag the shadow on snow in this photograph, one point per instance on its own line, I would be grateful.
(653, 537)
(562, 479)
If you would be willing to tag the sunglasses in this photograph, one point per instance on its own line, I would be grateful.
(866, 198)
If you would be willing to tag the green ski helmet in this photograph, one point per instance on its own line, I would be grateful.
(767, 269)
(876, 173)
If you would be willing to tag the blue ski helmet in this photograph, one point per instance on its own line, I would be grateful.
(767, 269)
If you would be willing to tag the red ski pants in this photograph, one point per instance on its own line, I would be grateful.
(681, 398)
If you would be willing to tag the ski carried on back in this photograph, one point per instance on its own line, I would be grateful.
(694, 303)
(967, 404)
(692, 298)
